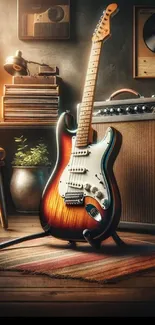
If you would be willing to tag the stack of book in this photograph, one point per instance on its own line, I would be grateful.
(32, 99)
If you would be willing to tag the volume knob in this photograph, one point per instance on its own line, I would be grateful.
(99, 194)
(105, 111)
(111, 110)
(136, 109)
(94, 189)
(119, 110)
(87, 186)
(144, 108)
(128, 110)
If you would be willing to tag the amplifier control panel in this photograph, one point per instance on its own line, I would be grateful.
(123, 110)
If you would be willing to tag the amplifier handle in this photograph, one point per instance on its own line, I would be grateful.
(122, 90)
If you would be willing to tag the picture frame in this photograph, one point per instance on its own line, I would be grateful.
(43, 20)
(143, 42)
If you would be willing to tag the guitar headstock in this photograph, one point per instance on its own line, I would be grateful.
(102, 30)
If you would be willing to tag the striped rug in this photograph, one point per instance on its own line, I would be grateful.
(55, 258)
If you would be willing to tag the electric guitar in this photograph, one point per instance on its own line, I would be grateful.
(81, 200)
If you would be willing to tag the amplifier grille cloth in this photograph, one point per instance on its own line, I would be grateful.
(134, 169)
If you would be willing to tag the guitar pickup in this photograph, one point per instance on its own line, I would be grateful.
(77, 170)
(72, 198)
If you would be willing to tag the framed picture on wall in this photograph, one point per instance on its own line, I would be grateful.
(43, 19)
(144, 42)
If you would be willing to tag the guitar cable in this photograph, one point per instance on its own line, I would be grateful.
(22, 239)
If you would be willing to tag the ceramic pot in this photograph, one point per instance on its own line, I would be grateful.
(26, 187)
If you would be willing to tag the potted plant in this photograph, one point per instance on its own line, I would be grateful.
(30, 174)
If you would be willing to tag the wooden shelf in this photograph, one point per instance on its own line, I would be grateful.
(31, 125)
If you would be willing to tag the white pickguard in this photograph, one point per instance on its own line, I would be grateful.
(85, 174)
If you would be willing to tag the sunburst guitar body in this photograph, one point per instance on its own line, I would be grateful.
(81, 200)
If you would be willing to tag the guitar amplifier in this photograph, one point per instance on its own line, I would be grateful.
(134, 167)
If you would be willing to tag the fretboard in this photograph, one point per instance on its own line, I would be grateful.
(86, 107)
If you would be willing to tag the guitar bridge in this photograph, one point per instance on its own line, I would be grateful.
(72, 198)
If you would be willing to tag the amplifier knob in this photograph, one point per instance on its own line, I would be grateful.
(111, 110)
(144, 108)
(105, 111)
(129, 110)
(136, 109)
(119, 110)
(147, 109)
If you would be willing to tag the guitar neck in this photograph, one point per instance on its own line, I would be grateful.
(86, 107)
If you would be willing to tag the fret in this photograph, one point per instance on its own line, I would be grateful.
(86, 130)
(82, 136)
(81, 144)
(88, 93)
(96, 45)
(93, 65)
(81, 126)
(84, 114)
(95, 52)
(92, 70)
(89, 88)
(85, 105)
(84, 124)
(88, 99)
(91, 77)
(83, 140)
(90, 83)
(85, 111)
(81, 129)
(86, 120)
(94, 58)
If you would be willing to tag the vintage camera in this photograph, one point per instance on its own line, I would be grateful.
(53, 23)
(54, 14)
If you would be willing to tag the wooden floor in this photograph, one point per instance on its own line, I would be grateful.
(40, 296)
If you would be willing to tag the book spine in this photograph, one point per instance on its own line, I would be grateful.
(30, 86)
(28, 114)
(33, 111)
(36, 80)
(30, 100)
(31, 92)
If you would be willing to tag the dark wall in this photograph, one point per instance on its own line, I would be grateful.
(71, 56)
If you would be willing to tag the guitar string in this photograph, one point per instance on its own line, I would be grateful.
(70, 165)
(79, 178)
(76, 178)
